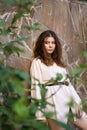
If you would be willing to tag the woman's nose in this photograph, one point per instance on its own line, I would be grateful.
(50, 44)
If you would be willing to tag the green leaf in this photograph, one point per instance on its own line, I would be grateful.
(11, 101)
(61, 124)
(17, 16)
(2, 22)
(4, 32)
(1, 46)
(77, 71)
(32, 109)
(40, 125)
(81, 81)
(11, 48)
(7, 127)
(59, 76)
(22, 74)
(43, 91)
(85, 54)
(5, 111)
(83, 65)
(35, 26)
(18, 86)
(8, 2)
(19, 39)
(21, 109)
(49, 115)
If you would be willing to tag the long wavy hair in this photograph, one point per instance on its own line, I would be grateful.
(40, 53)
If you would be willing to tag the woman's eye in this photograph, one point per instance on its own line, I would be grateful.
(46, 42)
(53, 42)
(49, 42)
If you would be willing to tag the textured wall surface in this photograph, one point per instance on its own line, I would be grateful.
(68, 19)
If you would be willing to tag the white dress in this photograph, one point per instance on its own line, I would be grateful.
(63, 93)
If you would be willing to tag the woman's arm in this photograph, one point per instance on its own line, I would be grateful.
(36, 78)
(81, 122)
(81, 117)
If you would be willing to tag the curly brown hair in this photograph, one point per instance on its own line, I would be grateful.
(39, 49)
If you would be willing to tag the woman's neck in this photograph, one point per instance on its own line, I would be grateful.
(49, 57)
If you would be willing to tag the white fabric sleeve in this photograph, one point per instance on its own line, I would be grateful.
(77, 106)
(75, 97)
(36, 78)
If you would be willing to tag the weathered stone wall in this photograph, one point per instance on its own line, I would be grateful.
(68, 19)
(22, 61)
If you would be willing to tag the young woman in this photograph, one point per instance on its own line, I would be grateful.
(47, 63)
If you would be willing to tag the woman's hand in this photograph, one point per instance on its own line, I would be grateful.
(82, 121)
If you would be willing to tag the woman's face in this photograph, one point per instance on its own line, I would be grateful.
(49, 45)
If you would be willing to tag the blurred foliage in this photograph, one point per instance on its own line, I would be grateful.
(14, 111)
(77, 78)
